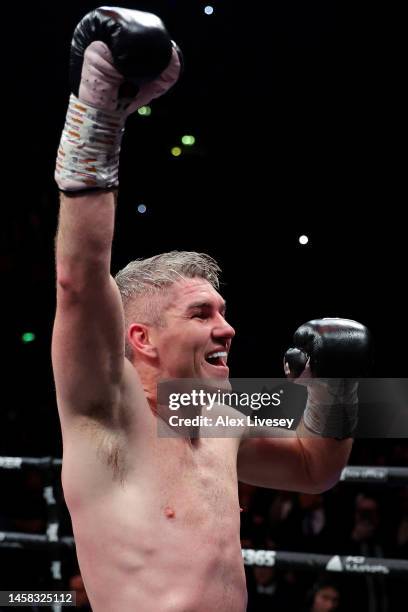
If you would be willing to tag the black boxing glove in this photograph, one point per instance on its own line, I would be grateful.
(120, 60)
(328, 356)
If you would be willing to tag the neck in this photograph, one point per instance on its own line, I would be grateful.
(149, 376)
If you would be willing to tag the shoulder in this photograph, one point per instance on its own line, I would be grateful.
(228, 422)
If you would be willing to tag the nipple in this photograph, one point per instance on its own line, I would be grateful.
(169, 512)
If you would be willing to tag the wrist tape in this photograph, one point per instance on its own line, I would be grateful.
(332, 408)
(88, 155)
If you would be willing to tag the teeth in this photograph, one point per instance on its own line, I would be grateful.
(217, 354)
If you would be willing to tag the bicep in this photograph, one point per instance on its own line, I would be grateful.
(274, 462)
(88, 346)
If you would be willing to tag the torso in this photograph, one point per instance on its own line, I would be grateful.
(156, 520)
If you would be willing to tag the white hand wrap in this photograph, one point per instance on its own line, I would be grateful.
(332, 408)
(88, 155)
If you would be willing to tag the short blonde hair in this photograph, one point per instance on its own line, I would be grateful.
(143, 283)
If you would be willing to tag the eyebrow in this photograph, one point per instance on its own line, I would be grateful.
(206, 305)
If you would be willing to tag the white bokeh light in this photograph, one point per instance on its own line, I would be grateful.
(208, 10)
(303, 239)
(141, 208)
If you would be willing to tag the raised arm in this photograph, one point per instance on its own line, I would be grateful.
(113, 51)
(88, 338)
(311, 459)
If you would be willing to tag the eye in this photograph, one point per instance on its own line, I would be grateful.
(200, 315)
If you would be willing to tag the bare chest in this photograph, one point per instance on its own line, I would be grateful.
(199, 474)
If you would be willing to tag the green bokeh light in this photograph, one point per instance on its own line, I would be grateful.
(188, 140)
(28, 337)
(145, 111)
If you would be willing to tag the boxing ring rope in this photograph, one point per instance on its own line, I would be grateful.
(348, 564)
(33, 541)
(51, 540)
(329, 563)
(368, 474)
(355, 473)
(267, 558)
(41, 463)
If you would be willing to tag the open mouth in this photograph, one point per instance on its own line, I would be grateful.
(217, 359)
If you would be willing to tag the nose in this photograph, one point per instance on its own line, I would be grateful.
(223, 329)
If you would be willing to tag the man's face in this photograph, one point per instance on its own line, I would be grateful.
(195, 340)
(367, 510)
(326, 600)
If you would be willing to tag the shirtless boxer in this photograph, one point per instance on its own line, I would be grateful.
(156, 520)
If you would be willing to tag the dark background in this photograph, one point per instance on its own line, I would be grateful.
(297, 112)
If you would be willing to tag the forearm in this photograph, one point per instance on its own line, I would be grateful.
(84, 237)
(328, 356)
(324, 458)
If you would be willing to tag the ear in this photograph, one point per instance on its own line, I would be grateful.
(141, 340)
